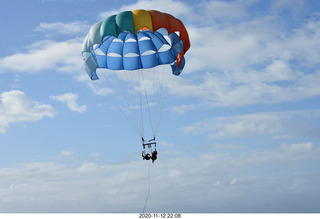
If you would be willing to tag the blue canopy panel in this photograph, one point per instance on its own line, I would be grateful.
(141, 50)
(131, 57)
(147, 49)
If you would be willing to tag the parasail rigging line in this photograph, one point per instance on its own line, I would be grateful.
(140, 98)
(163, 79)
(145, 203)
(148, 105)
(127, 102)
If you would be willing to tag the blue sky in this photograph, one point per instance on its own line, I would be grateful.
(241, 126)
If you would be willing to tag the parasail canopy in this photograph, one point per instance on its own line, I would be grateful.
(134, 40)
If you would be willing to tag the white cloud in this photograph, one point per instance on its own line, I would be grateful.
(59, 28)
(167, 144)
(175, 8)
(46, 55)
(250, 62)
(276, 125)
(95, 154)
(275, 84)
(103, 91)
(246, 44)
(184, 108)
(71, 100)
(297, 152)
(16, 106)
(299, 149)
(295, 6)
(67, 153)
(211, 182)
(213, 11)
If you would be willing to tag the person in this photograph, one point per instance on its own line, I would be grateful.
(154, 155)
(145, 156)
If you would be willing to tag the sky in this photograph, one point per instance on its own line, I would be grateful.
(240, 130)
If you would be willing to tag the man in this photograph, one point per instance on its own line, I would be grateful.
(145, 156)
(154, 155)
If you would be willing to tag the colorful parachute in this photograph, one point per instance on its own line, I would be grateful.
(134, 40)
